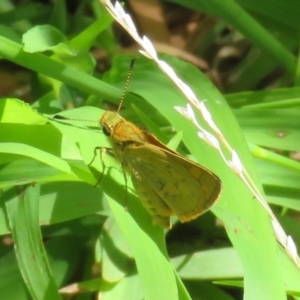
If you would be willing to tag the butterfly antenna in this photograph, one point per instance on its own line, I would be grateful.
(126, 83)
(59, 117)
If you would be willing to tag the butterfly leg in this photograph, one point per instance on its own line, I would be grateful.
(102, 152)
(125, 186)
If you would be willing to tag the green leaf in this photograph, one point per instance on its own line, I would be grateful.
(22, 212)
(45, 37)
(236, 206)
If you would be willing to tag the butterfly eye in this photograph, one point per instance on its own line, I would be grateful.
(106, 130)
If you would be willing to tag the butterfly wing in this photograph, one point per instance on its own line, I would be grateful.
(153, 203)
(161, 176)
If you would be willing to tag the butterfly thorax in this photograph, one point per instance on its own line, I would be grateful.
(121, 132)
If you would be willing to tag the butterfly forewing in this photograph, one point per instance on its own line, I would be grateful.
(186, 188)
